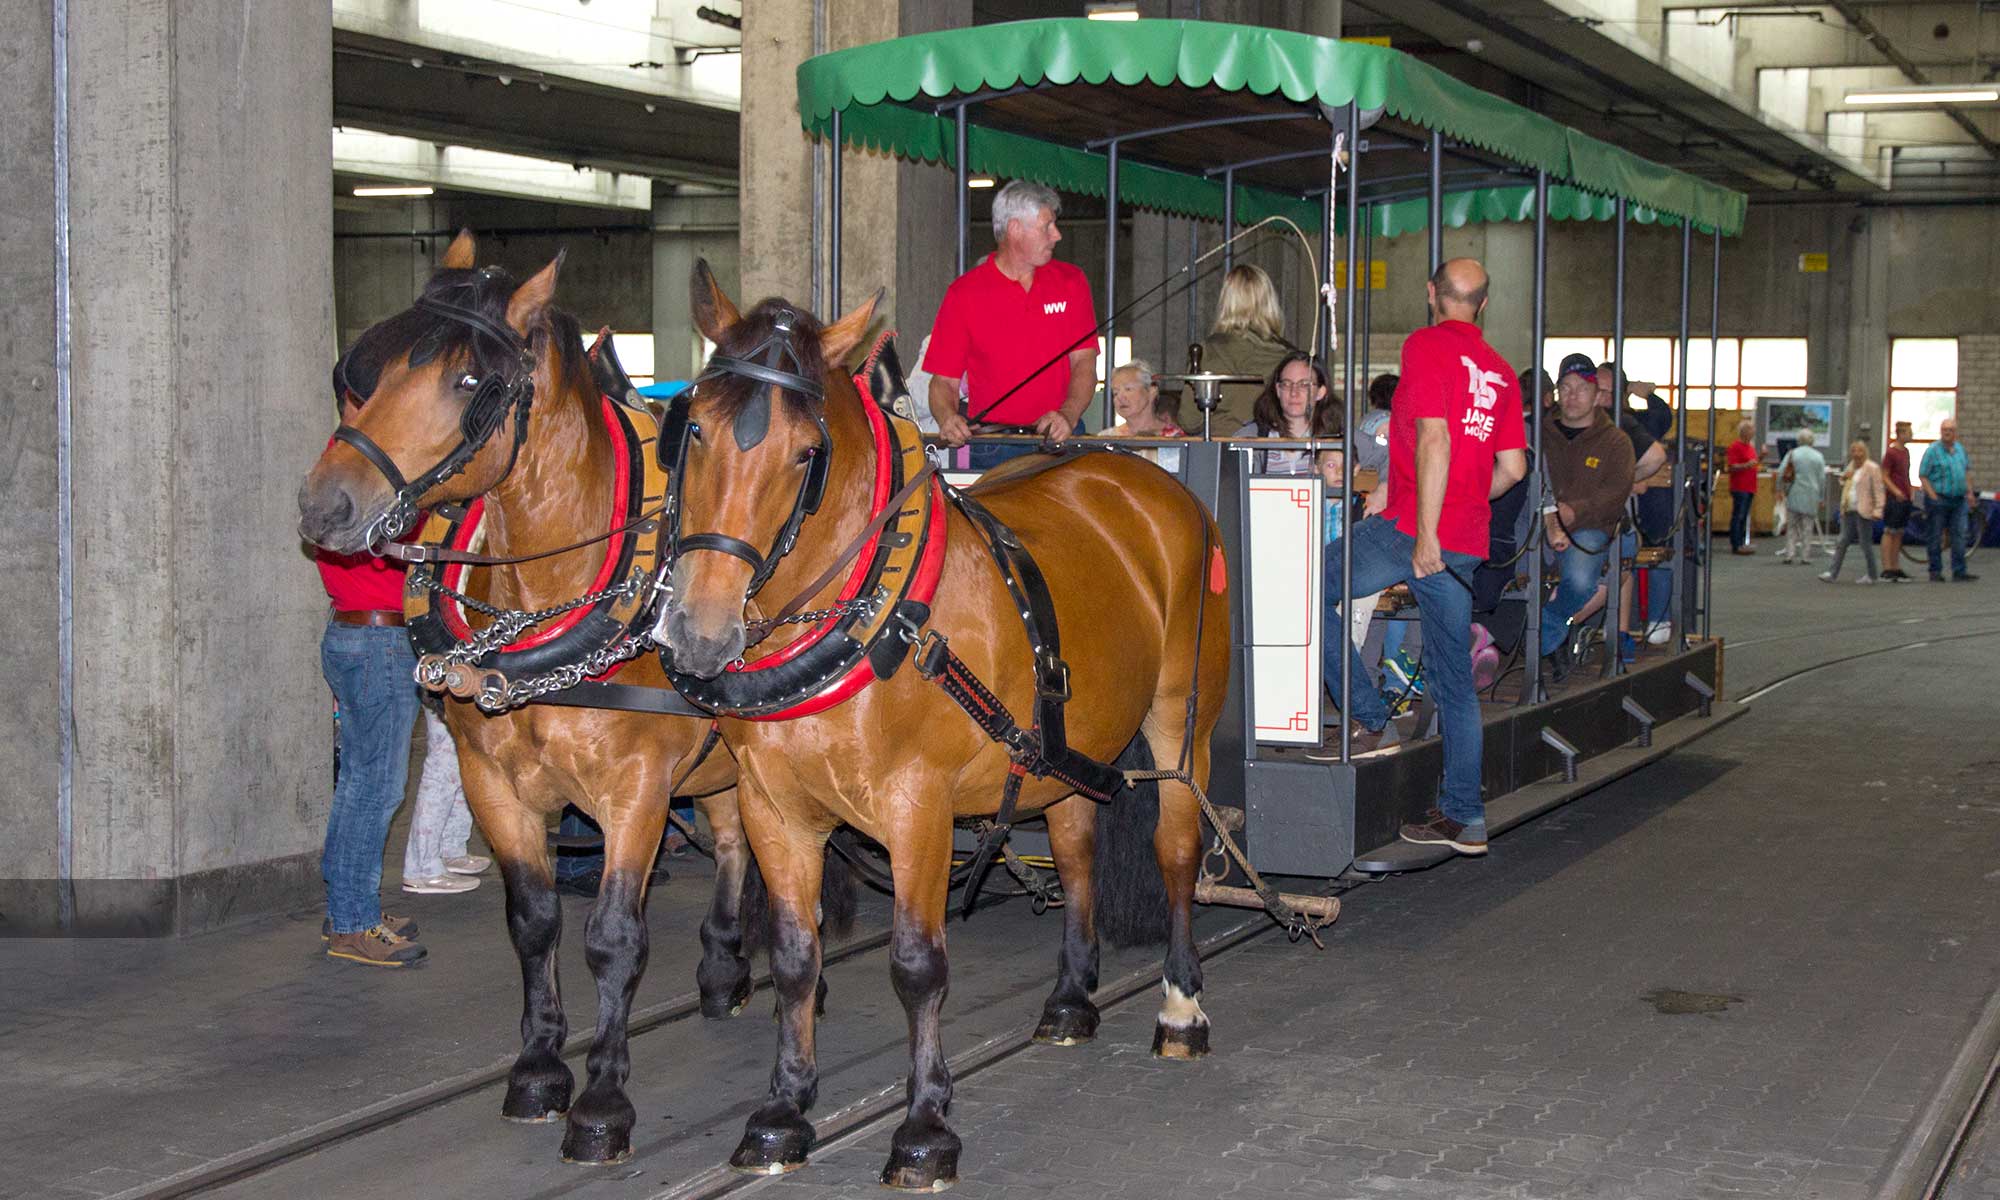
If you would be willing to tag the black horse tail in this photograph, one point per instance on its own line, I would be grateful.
(1131, 898)
(838, 903)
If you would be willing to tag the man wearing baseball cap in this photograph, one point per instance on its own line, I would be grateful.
(1590, 465)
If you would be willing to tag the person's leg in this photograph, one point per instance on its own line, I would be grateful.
(1659, 596)
(1576, 584)
(369, 669)
(577, 866)
(1445, 602)
(984, 456)
(1934, 522)
(1864, 531)
(1739, 518)
(1960, 528)
(1892, 536)
(1381, 557)
(1847, 520)
(437, 794)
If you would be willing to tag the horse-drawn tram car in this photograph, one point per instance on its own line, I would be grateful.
(902, 663)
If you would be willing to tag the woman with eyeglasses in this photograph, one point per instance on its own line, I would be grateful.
(1293, 405)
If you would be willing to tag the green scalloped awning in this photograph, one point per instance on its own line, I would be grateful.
(874, 85)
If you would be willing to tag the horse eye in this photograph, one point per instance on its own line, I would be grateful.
(694, 431)
(468, 382)
(806, 455)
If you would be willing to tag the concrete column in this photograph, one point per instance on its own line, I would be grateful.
(1867, 383)
(688, 225)
(201, 307)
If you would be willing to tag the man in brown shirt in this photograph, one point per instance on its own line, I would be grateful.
(1896, 508)
(1590, 463)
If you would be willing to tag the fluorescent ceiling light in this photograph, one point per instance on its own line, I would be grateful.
(1112, 12)
(980, 181)
(418, 190)
(1926, 94)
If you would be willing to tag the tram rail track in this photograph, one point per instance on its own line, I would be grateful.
(263, 1157)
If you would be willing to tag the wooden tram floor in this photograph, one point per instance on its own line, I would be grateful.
(1740, 971)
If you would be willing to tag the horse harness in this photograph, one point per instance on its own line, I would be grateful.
(493, 397)
(1042, 750)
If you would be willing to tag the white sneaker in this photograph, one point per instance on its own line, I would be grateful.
(1866, 579)
(440, 885)
(467, 864)
(1660, 634)
(1827, 576)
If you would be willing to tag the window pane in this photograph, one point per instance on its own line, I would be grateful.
(1555, 349)
(1698, 359)
(1923, 410)
(1923, 362)
(1774, 362)
(1649, 360)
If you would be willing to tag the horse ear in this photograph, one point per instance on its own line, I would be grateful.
(459, 256)
(714, 311)
(531, 299)
(839, 339)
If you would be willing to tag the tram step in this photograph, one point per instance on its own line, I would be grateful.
(1526, 803)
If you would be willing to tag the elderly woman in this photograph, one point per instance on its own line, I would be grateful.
(1802, 475)
(1143, 412)
(1293, 405)
(1248, 339)
(1861, 499)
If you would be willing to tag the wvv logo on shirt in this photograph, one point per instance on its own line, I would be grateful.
(1479, 385)
(1054, 306)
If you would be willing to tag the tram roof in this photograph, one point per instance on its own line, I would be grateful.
(1196, 97)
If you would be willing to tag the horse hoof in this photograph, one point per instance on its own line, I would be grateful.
(1067, 1025)
(538, 1093)
(923, 1158)
(773, 1144)
(1180, 1041)
(720, 1007)
(600, 1130)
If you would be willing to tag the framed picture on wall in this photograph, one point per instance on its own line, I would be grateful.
(1781, 419)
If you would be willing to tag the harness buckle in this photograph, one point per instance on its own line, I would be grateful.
(1052, 677)
(932, 649)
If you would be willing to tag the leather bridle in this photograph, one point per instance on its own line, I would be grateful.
(774, 362)
(493, 397)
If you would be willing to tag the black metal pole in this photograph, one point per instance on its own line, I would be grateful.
(1228, 221)
(1714, 360)
(964, 194)
(833, 237)
(1531, 691)
(1614, 657)
(1367, 286)
(1436, 207)
(1347, 424)
(1110, 350)
(1682, 509)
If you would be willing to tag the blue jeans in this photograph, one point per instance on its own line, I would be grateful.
(369, 668)
(1581, 570)
(1939, 512)
(1739, 517)
(1444, 605)
(984, 456)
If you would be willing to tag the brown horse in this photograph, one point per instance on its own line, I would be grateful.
(546, 485)
(1133, 563)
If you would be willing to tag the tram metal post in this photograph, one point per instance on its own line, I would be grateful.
(964, 193)
(833, 233)
(1367, 286)
(1228, 220)
(1614, 656)
(1346, 623)
(1678, 609)
(1436, 206)
(1110, 351)
(1531, 692)
(1714, 360)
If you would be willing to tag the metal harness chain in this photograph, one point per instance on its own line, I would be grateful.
(760, 629)
(508, 624)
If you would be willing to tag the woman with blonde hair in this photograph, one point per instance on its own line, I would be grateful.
(1248, 339)
(1861, 499)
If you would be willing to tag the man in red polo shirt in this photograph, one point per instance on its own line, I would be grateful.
(1456, 440)
(1019, 329)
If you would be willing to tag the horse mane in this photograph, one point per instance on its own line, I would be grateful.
(426, 337)
(732, 393)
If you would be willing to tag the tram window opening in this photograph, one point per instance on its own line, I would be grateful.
(1923, 387)
(1745, 368)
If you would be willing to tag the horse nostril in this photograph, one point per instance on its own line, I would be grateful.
(324, 511)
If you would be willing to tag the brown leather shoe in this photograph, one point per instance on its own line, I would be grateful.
(377, 947)
(400, 926)
(1436, 829)
(1743, 550)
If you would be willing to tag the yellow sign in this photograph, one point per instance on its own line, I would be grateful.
(1368, 41)
(1812, 264)
(1378, 274)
